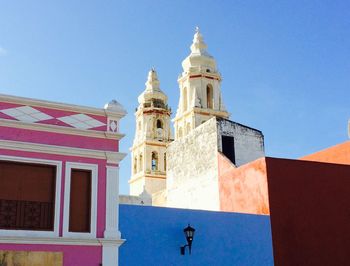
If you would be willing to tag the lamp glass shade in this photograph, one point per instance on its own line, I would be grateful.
(189, 232)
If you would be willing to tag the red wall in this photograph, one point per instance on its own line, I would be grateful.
(310, 212)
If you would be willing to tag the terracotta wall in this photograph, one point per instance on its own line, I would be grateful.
(310, 212)
(243, 189)
(336, 154)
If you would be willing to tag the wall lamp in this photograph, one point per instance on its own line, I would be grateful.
(189, 233)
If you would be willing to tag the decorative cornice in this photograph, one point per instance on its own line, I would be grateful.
(60, 129)
(111, 157)
(59, 106)
(61, 241)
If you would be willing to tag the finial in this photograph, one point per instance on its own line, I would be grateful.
(197, 29)
(153, 69)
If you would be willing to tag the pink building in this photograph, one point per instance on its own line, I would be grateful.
(59, 182)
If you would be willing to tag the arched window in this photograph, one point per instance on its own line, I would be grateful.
(180, 133)
(141, 163)
(164, 162)
(210, 98)
(159, 123)
(188, 128)
(154, 161)
(135, 165)
(185, 99)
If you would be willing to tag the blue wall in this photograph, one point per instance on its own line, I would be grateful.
(154, 236)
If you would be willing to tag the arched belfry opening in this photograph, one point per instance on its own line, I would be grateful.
(210, 98)
(154, 161)
(159, 123)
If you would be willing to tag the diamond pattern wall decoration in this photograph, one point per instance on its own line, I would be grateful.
(81, 121)
(26, 114)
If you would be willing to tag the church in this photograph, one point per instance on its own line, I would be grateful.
(181, 169)
(59, 178)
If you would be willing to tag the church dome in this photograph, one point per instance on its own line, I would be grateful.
(199, 60)
(153, 95)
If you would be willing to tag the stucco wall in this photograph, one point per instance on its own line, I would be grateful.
(248, 142)
(72, 255)
(310, 218)
(192, 173)
(243, 189)
(337, 154)
(154, 236)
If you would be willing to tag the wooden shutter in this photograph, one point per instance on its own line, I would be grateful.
(80, 201)
(27, 196)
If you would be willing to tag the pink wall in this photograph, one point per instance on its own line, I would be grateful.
(72, 255)
(243, 189)
(58, 139)
(101, 190)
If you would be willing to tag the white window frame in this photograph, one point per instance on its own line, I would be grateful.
(38, 233)
(93, 218)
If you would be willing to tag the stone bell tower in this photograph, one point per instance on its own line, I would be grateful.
(200, 92)
(148, 153)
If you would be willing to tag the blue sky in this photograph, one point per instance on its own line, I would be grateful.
(285, 64)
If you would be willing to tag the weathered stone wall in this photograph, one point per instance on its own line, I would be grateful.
(135, 200)
(248, 142)
(192, 171)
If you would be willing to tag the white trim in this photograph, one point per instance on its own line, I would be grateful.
(61, 241)
(32, 233)
(61, 129)
(112, 202)
(59, 106)
(112, 157)
(93, 219)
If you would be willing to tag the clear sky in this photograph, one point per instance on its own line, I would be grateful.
(285, 64)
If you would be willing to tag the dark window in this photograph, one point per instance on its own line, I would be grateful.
(228, 148)
(80, 201)
(159, 124)
(27, 196)
(210, 98)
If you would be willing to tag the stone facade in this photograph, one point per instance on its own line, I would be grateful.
(248, 142)
(151, 137)
(192, 169)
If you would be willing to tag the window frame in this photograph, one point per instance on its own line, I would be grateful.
(93, 216)
(38, 233)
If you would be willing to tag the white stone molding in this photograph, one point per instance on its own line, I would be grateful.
(110, 254)
(93, 219)
(112, 203)
(61, 129)
(36, 233)
(61, 241)
(112, 157)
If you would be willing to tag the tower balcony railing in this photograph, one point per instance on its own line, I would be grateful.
(155, 172)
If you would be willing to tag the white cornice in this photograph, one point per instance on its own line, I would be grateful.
(111, 157)
(61, 241)
(59, 106)
(60, 129)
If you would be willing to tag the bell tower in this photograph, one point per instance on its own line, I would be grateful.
(200, 92)
(148, 153)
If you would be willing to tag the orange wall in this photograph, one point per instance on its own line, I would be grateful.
(336, 154)
(243, 189)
